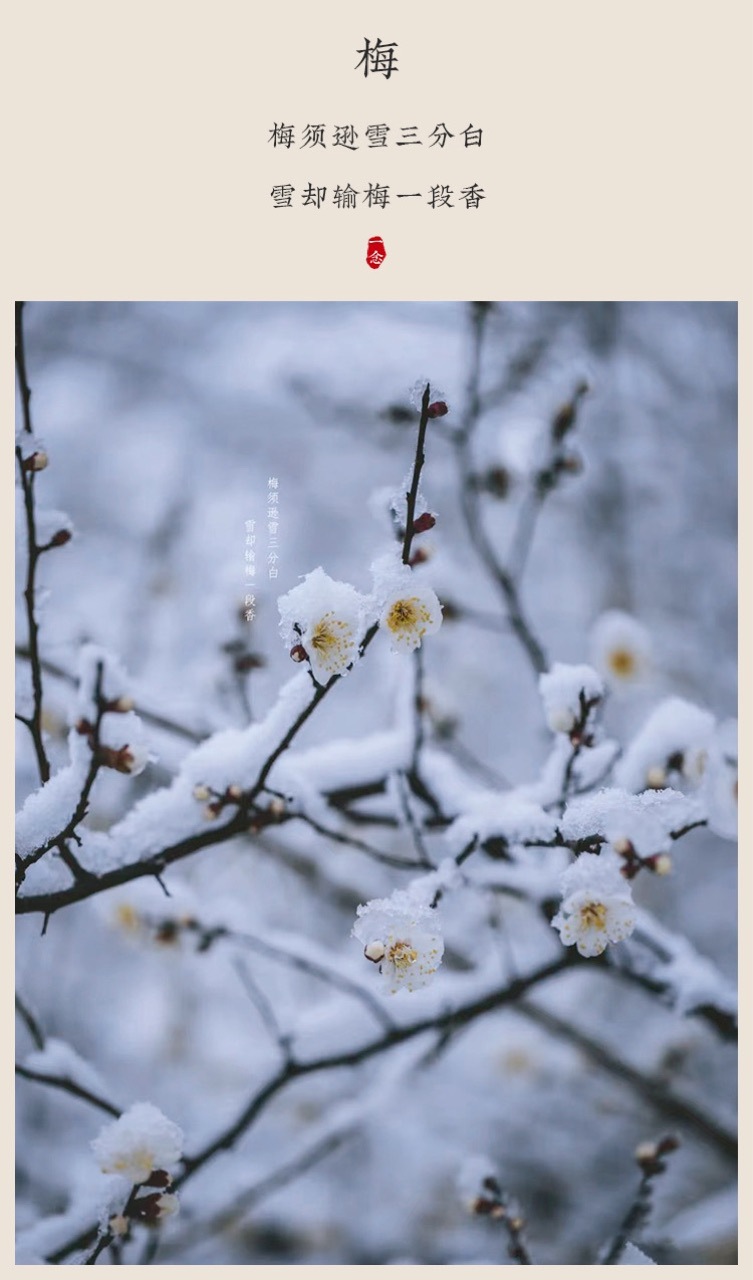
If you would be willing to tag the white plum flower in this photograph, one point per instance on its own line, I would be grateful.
(409, 614)
(139, 1142)
(620, 649)
(324, 621)
(562, 691)
(402, 936)
(597, 906)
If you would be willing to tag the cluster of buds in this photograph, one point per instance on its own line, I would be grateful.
(649, 1155)
(562, 461)
(632, 862)
(217, 800)
(146, 1206)
(126, 759)
(490, 1203)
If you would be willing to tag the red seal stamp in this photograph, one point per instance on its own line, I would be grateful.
(375, 252)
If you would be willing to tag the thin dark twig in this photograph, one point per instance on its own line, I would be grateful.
(418, 463)
(263, 1007)
(68, 1086)
(469, 501)
(34, 721)
(341, 837)
(23, 381)
(404, 791)
(32, 1026)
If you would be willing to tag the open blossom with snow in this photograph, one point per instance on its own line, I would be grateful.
(410, 614)
(620, 649)
(402, 936)
(597, 906)
(562, 689)
(325, 619)
(136, 1144)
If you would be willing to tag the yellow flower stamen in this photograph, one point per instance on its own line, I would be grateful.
(593, 915)
(402, 955)
(622, 662)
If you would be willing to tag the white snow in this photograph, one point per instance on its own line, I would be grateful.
(675, 726)
(561, 688)
(140, 1141)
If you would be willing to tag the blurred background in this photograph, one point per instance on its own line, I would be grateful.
(164, 424)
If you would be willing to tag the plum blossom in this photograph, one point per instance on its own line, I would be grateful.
(597, 906)
(139, 1142)
(620, 649)
(410, 614)
(402, 936)
(324, 622)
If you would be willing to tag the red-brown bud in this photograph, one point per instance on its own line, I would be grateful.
(420, 556)
(438, 409)
(36, 461)
(60, 538)
(298, 653)
(424, 523)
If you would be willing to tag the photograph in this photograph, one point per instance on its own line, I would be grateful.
(376, 782)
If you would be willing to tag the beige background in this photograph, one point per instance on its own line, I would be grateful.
(616, 163)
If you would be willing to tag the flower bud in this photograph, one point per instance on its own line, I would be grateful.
(36, 461)
(60, 538)
(201, 792)
(298, 653)
(234, 792)
(118, 1224)
(424, 523)
(277, 807)
(121, 704)
(656, 778)
(662, 864)
(438, 409)
(375, 951)
(623, 847)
